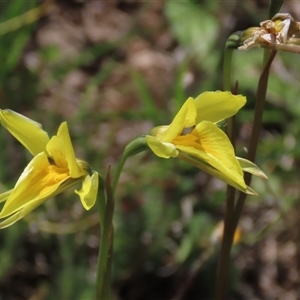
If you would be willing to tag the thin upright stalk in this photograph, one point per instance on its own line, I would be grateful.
(233, 211)
(257, 123)
(106, 210)
(224, 257)
(227, 60)
(224, 261)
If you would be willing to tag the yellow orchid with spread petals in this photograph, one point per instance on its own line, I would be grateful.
(195, 137)
(53, 169)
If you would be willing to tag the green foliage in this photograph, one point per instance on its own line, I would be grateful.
(165, 210)
(196, 29)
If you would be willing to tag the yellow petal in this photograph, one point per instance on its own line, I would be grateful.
(61, 150)
(33, 204)
(21, 213)
(185, 118)
(40, 180)
(11, 220)
(216, 106)
(5, 195)
(215, 173)
(211, 145)
(160, 148)
(28, 132)
(89, 190)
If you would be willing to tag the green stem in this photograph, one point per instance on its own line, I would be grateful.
(101, 204)
(224, 257)
(134, 147)
(107, 294)
(106, 243)
(108, 235)
(227, 84)
(227, 69)
(106, 210)
(118, 172)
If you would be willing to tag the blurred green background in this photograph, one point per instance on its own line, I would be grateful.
(113, 70)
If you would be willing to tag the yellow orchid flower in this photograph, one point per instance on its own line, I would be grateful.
(195, 137)
(53, 169)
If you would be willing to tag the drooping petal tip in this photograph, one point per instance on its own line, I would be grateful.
(89, 190)
(250, 167)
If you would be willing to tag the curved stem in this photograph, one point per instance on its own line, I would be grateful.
(118, 172)
(134, 147)
(106, 210)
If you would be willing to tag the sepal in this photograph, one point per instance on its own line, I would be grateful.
(250, 167)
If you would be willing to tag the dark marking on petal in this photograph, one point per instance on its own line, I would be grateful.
(51, 161)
